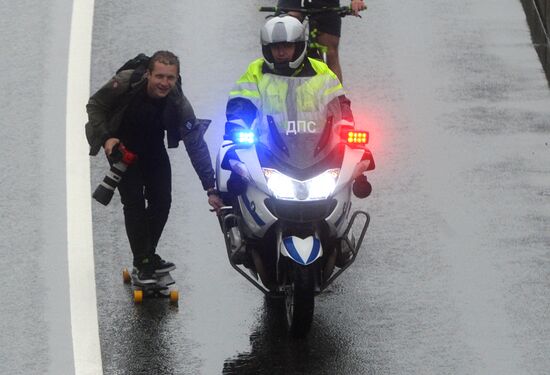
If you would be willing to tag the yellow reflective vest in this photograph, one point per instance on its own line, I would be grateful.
(306, 99)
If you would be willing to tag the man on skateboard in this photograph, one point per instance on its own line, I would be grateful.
(137, 114)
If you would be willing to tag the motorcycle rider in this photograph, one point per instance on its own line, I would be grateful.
(261, 92)
(328, 24)
(137, 114)
(283, 40)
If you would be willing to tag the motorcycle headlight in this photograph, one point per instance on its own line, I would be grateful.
(316, 188)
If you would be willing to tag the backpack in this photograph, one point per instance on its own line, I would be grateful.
(138, 64)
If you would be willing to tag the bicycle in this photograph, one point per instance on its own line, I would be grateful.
(315, 49)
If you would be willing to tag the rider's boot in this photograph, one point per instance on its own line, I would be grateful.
(239, 256)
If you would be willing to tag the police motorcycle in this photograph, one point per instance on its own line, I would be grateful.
(289, 221)
(289, 226)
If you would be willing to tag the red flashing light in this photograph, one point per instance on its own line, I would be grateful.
(357, 137)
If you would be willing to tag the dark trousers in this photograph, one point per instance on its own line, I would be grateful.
(146, 196)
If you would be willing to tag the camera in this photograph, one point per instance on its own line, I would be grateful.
(120, 159)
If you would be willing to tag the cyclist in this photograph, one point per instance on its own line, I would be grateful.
(329, 25)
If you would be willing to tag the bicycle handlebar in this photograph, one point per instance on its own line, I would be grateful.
(342, 11)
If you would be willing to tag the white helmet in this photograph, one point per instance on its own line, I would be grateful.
(283, 28)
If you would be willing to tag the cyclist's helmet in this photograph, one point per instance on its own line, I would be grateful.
(282, 29)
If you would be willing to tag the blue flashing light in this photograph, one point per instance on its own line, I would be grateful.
(245, 137)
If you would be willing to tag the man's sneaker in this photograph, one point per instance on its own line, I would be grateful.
(144, 274)
(160, 265)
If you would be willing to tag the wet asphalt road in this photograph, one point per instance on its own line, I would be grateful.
(34, 309)
(454, 277)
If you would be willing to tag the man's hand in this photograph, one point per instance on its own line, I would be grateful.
(357, 5)
(214, 200)
(216, 203)
(109, 144)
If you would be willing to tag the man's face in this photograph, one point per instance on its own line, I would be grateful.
(161, 80)
(283, 52)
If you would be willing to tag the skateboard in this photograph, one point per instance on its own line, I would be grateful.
(163, 288)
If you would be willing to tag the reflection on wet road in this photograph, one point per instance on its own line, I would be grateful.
(273, 351)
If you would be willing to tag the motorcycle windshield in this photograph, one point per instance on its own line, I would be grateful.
(298, 117)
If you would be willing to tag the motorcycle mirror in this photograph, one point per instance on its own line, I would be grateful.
(361, 187)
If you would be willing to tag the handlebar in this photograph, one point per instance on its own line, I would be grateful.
(342, 11)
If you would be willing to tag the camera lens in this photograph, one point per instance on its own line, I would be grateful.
(105, 190)
(103, 195)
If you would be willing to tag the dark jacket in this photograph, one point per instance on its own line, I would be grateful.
(106, 109)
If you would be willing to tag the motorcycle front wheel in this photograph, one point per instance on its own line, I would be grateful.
(300, 302)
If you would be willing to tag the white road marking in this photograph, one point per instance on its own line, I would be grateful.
(84, 325)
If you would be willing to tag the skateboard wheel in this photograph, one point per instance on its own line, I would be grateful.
(126, 276)
(174, 296)
(138, 296)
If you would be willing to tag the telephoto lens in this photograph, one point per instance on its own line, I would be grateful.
(120, 158)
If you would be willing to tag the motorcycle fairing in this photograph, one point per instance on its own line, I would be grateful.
(257, 217)
(352, 156)
(248, 156)
(302, 251)
(340, 216)
(222, 174)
